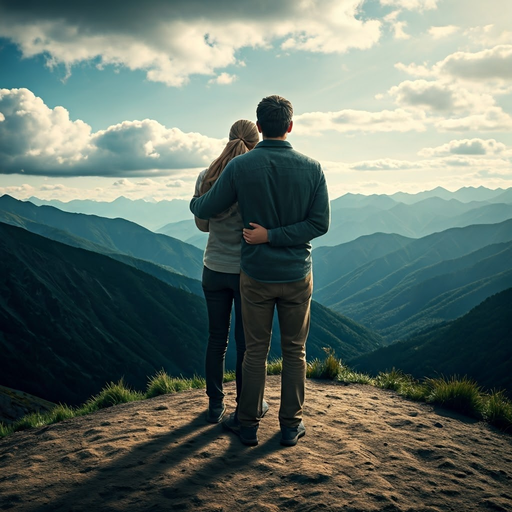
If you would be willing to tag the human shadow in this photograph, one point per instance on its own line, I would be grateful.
(150, 458)
(144, 471)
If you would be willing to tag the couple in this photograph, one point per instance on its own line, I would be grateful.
(261, 209)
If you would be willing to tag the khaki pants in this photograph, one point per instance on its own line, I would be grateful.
(293, 302)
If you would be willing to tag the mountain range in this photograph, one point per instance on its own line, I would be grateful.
(477, 345)
(150, 214)
(109, 236)
(87, 299)
(423, 282)
(409, 215)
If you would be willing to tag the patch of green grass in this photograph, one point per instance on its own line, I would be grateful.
(394, 379)
(275, 367)
(60, 413)
(351, 377)
(458, 393)
(163, 384)
(314, 369)
(497, 410)
(112, 394)
(33, 420)
(5, 430)
(229, 375)
(329, 368)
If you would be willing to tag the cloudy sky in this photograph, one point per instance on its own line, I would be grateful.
(110, 98)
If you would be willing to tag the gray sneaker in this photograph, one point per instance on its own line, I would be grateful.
(215, 412)
(248, 435)
(290, 435)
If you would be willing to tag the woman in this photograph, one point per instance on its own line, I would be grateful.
(221, 273)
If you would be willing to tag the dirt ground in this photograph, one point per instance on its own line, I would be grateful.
(365, 449)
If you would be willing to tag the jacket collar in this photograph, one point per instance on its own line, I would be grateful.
(266, 143)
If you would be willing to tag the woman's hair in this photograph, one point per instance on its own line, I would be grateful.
(243, 136)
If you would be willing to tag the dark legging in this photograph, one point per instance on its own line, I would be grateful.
(221, 290)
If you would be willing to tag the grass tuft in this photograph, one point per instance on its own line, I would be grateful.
(394, 379)
(33, 420)
(112, 394)
(329, 368)
(163, 384)
(350, 376)
(60, 413)
(5, 430)
(229, 375)
(497, 410)
(275, 367)
(460, 394)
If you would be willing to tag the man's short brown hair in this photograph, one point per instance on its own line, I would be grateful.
(274, 114)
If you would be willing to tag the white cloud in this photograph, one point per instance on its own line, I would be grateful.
(175, 184)
(466, 147)
(489, 35)
(493, 120)
(343, 121)
(399, 28)
(484, 66)
(495, 63)
(24, 190)
(442, 32)
(419, 70)
(439, 96)
(36, 139)
(387, 164)
(443, 164)
(172, 40)
(223, 79)
(411, 5)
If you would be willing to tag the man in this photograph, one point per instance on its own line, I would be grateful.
(283, 200)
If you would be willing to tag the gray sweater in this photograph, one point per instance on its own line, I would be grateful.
(222, 253)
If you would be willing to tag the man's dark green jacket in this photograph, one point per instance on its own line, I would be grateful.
(283, 191)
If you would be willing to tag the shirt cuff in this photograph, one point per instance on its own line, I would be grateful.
(269, 236)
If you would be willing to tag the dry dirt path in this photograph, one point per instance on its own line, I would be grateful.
(365, 450)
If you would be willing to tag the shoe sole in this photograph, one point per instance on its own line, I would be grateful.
(293, 442)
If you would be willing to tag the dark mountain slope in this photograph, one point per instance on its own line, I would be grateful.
(59, 235)
(478, 345)
(71, 320)
(114, 235)
(440, 292)
(368, 279)
(331, 330)
(330, 263)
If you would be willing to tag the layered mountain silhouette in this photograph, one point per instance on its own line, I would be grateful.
(185, 230)
(72, 320)
(477, 345)
(107, 235)
(150, 214)
(355, 216)
(409, 215)
(427, 281)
